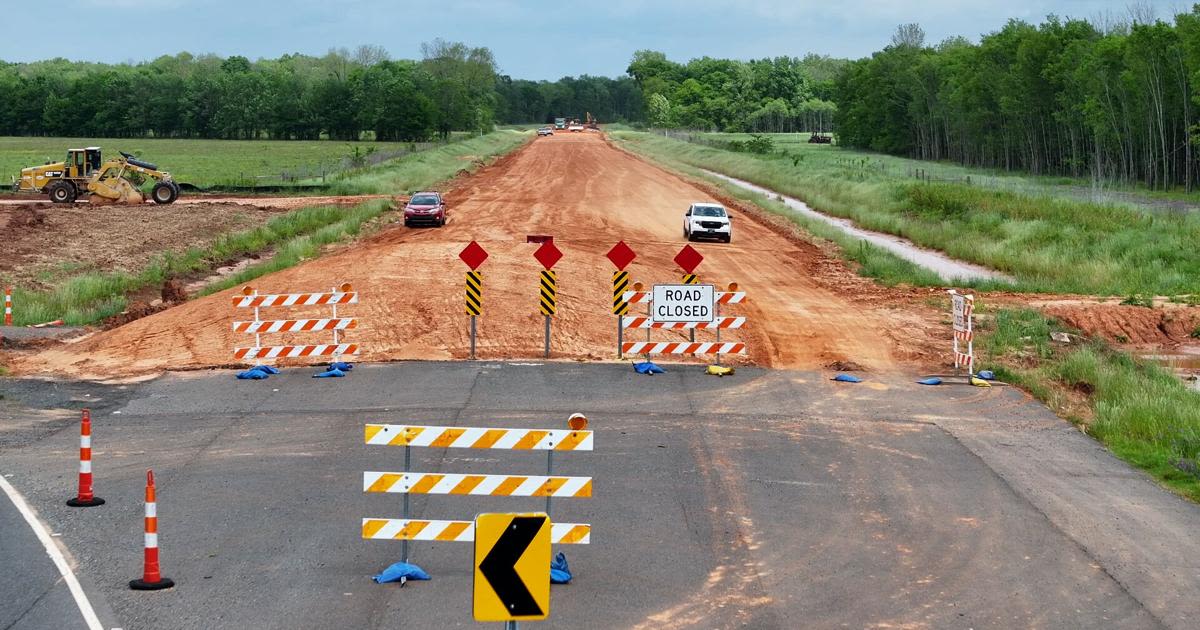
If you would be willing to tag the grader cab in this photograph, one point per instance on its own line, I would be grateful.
(85, 174)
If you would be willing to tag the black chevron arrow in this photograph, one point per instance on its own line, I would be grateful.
(499, 570)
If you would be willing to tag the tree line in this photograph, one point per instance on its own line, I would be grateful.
(783, 94)
(1115, 100)
(341, 95)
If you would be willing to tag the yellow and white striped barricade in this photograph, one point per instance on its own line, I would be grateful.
(251, 298)
(407, 482)
(648, 347)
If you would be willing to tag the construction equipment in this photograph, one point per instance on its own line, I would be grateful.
(84, 174)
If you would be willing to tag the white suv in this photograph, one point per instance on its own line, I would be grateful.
(707, 220)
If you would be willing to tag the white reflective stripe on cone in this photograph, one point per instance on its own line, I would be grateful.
(151, 541)
(151, 510)
(85, 465)
(85, 441)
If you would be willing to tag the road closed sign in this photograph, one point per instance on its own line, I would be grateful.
(683, 303)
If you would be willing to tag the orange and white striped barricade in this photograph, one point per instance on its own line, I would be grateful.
(251, 298)
(85, 497)
(963, 310)
(717, 324)
(8, 306)
(406, 482)
(152, 579)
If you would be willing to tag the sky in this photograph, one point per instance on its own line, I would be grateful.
(533, 39)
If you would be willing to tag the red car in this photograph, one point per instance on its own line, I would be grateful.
(425, 207)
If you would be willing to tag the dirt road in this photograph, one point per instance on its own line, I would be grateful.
(805, 310)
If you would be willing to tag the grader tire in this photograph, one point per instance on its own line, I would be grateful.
(164, 193)
(62, 192)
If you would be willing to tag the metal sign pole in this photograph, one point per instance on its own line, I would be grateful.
(472, 337)
(547, 353)
(549, 471)
(620, 337)
(717, 312)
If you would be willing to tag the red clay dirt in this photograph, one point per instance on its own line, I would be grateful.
(805, 309)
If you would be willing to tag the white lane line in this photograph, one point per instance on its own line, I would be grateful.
(52, 550)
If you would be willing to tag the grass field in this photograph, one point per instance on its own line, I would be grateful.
(201, 162)
(1048, 243)
(91, 296)
(1074, 188)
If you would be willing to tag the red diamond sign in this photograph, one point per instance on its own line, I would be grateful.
(688, 258)
(547, 254)
(473, 255)
(621, 255)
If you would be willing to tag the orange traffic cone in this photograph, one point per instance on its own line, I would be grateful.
(85, 498)
(151, 580)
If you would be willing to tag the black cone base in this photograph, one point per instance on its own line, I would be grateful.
(92, 503)
(142, 585)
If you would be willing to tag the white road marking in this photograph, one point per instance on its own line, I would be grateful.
(52, 550)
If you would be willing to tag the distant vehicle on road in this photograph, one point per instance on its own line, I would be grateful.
(425, 207)
(575, 127)
(707, 220)
(546, 131)
(560, 123)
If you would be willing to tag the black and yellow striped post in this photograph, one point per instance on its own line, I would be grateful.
(620, 306)
(548, 302)
(691, 278)
(474, 301)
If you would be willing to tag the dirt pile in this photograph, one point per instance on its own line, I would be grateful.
(804, 309)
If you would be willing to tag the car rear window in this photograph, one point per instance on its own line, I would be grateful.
(424, 200)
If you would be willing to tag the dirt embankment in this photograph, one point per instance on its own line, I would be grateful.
(805, 309)
(1133, 325)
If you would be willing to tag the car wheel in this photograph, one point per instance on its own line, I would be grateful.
(728, 238)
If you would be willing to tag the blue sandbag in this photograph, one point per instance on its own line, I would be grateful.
(401, 570)
(646, 367)
(330, 373)
(266, 368)
(987, 375)
(252, 375)
(932, 380)
(560, 573)
(847, 378)
(338, 365)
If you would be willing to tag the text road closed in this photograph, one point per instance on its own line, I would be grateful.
(683, 303)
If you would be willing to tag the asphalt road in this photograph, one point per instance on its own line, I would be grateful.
(770, 499)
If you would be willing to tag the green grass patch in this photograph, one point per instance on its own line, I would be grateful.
(1049, 244)
(421, 170)
(200, 162)
(1139, 410)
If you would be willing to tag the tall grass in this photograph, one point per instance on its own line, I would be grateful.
(1141, 411)
(1048, 244)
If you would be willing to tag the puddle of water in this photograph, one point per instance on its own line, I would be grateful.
(1185, 362)
(220, 274)
(948, 268)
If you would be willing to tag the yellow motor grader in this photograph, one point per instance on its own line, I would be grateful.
(84, 174)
